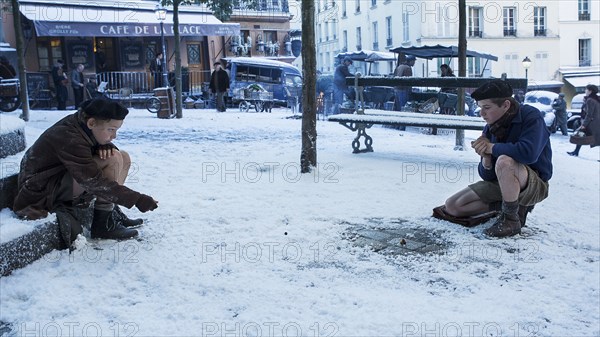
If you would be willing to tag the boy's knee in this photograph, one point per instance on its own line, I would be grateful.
(505, 162)
(125, 157)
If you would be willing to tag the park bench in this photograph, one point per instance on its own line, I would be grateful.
(362, 120)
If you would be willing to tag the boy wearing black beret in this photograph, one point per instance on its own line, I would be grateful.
(75, 159)
(516, 164)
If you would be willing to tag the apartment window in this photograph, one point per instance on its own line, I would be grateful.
(585, 52)
(319, 32)
(388, 31)
(345, 40)
(334, 28)
(541, 65)
(326, 31)
(508, 21)
(357, 6)
(343, 8)
(474, 22)
(444, 16)
(405, 25)
(513, 65)
(373, 3)
(539, 21)
(474, 66)
(358, 39)
(327, 61)
(584, 10)
(375, 36)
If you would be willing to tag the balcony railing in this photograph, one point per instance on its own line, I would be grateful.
(475, 33)
(510, 32)
(539, 32)
(584, 16)
(585, 63)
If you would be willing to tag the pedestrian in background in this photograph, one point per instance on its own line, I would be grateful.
(560, 109)
(340, 88)
(591, 122)
(219, 85)
(77, 84)
(403, 70)
(60, 84)
(157, 67)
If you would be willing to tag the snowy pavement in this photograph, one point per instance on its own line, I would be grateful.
(242, 244)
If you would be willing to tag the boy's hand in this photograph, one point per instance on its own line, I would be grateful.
(106, 151)
(482, 146)
(145, 203)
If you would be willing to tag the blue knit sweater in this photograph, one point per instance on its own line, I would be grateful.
(528, 143)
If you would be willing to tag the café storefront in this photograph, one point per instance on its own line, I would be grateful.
(118, 38)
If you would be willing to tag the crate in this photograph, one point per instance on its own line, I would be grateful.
(429, 106)
(10, 89)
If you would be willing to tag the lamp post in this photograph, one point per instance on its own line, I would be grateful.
(526, 64)
(161, 15)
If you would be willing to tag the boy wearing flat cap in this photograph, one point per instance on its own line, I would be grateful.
(73, 160)
(516, 164)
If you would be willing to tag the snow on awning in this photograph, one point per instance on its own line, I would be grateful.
(431, 52)
(51, 19)
(582, 81)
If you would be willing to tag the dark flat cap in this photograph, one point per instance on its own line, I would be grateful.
(105, 109)
(492, 89)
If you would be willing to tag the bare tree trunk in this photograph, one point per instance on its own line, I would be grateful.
(178, 99)
(21, 59)
(462, 69)
(308, 156)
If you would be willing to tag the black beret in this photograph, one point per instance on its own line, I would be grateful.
(105, 109)
(493, 89)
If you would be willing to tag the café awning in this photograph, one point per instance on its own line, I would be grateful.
(582, 81)
(94, 19)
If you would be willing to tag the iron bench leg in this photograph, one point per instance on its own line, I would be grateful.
(361, 129)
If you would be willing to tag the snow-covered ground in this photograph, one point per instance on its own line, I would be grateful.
(243, 245)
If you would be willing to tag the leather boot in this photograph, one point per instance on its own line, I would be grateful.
(508, 223)
(120, 217)
(103, 227)
(523, 210)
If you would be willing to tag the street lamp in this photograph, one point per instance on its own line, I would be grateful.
(161, 15)
(526, 64)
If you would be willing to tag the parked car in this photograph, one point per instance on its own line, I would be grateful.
(542, 100)
(574, 113)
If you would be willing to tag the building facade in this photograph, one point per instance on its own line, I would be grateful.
(561, 38)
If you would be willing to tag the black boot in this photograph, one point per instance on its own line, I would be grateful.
(120, 217)
(103, 227)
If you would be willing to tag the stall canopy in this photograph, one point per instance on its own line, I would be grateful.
(368, 56)
(431, 52)
(91, 19)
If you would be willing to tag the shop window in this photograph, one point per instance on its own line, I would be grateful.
(193, 54)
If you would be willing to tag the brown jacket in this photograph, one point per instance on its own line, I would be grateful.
(64, 147)
(591, 121)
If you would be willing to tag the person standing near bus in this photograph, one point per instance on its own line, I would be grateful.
(219, 85)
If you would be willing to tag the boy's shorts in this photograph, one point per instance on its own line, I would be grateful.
(535, 191)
